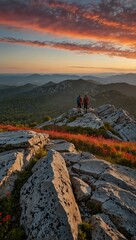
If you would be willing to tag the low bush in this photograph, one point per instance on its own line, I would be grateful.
(85, 231)
(94, 207)
(102, 148)
(123, 153)
(79, 130)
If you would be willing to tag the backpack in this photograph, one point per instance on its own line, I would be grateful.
(78, 100)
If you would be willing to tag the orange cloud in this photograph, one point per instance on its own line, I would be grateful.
(92, 48)
(106, 21)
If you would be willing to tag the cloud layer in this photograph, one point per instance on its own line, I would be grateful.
(92, 48)
(107, 21)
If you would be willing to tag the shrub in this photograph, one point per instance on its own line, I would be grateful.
(46, 118)
(85, 231)
(101, 147)
(94, 207)
(33, 124)
(72, 119)
(111, 129)
(16, 233)
(123, 153)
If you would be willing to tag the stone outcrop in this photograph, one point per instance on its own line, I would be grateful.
(89, 120)
(111, 187)
(104, 229)
(82, 119)
(21, 138)
(23, 146)
(49, 210)
(10, 163)
(61, 146)
(119, 119)
(105, 192)
(81, 189)
(114, 190)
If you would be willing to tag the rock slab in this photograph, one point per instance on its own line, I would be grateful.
(21, 138)
(114, 190)
(104, 229)
(49, 210)
(120, 120)
(22, 146)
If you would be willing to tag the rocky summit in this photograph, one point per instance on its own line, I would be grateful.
(66, 188)
(123, 124)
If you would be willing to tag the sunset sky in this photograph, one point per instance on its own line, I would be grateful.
(67, 36)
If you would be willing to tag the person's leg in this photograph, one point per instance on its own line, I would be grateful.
(86, 107)
(78, 107)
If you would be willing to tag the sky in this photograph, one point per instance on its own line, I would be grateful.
(68, 36)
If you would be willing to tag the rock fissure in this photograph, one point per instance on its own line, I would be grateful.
(67, 185)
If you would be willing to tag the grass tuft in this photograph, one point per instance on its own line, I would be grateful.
(85, 231)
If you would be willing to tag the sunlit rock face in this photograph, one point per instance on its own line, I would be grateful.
(104, 229)
(49, 210)
(21, 138)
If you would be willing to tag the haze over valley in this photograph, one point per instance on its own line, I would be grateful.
(32, 103)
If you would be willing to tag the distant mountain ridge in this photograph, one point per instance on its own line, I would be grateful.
(31, 103)
(9, 91)
(41, 79)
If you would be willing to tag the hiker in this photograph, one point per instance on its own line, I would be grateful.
(86, 102)
(79, 103)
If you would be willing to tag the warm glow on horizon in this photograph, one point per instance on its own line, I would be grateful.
(67, 36)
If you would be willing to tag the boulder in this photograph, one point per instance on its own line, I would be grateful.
(61, 146)
(87, 120)
(49, 210)
(120, 120)
(74, 157)
(122, 177)
(21, 139)
(121, 214)
(10, 162)
(92, 167)
(81, 189)
(107, 191)
(114, 189)
(24, 145)
(104, 229)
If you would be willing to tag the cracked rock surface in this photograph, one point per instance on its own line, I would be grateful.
(113, 190)
(49, 210)
(66, 186)
(17, 149)
(119, 119)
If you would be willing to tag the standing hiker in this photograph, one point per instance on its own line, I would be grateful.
(79, 103)
(86, 102)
